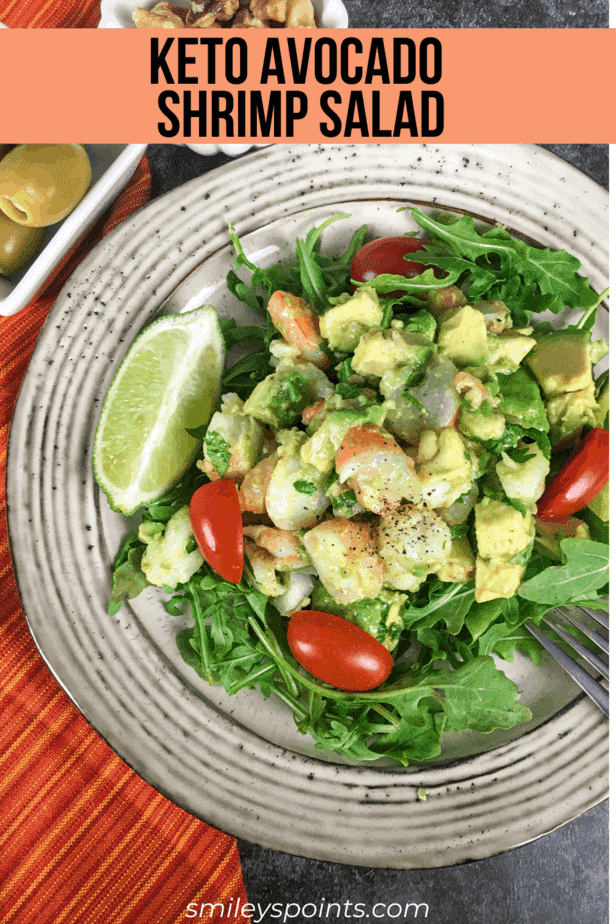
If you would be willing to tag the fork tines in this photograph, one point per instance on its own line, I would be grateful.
(592, 686)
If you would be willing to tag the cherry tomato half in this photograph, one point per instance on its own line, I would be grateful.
(582, 477)
(337, 651)
(216, 520)
(386, 255)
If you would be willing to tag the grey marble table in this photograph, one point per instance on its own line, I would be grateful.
(559, 878)
(486, 14)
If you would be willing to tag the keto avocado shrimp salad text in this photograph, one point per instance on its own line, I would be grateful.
(368, 520)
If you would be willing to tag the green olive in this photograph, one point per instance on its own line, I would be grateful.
(18, 244)
(41, 183)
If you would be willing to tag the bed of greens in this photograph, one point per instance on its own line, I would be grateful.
(444, 677)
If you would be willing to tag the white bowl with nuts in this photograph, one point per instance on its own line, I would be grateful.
(204, 14)
(208, 14)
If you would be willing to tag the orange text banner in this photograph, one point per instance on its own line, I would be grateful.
(541, 85)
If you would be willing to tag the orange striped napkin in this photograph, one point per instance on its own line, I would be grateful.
(50, 14)
(83, 839)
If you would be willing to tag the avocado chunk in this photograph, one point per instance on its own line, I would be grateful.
(495, 579)
(603, 400)
(502, 533)
(569, 413)
(522, 473)
(344, 323)
(521, 401)
(280, 398)
(601, 504)
(380, 616)
(380, 350)
(233, 442)
(507, 350)
(460, 566)
(561, 361)
(444, 467)
(484, 423)
(598, 349)
(501, 530)
(463, 337)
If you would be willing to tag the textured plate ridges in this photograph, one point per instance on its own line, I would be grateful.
(156, 721)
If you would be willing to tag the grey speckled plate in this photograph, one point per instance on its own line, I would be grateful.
(238, 763)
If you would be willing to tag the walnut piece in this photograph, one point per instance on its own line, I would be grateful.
(300, 14)
(269, 9)
(205, 15)
(244, 19)
(162, 16)
(235, 14)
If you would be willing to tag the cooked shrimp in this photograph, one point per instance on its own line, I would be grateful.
(434, 403)
(297, 594)
(284, 545)
(472, 390)
(235, 440)
(299, 325)
(445, 467)
(262, 571)
(254, 486)
(295, 497)
(377, 468)
(345, 557)
(412, 543)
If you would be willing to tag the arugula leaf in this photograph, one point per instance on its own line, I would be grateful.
(448, 601)
(423, 283)
(480, 697)
(476, 695)
(127, 580)
(233, 332)
(586, 571)
(316, 291)
(516, 641)
(494, 264)
(244, 292)
(247, 373)
(511, 437)
(599, 530)
(219, 451)
(521, 455)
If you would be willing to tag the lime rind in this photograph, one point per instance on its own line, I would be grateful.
(168, 383)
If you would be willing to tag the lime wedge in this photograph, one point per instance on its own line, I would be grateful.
(168, 382)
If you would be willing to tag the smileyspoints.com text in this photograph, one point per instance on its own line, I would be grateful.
(323, 911)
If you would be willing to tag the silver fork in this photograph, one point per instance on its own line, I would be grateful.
(592, 686)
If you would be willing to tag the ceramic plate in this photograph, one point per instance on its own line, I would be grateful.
(238, 762)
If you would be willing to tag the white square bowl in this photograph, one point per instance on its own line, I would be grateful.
(118, 14)
(112, 167)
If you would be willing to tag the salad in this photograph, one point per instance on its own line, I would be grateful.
(406, 468)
